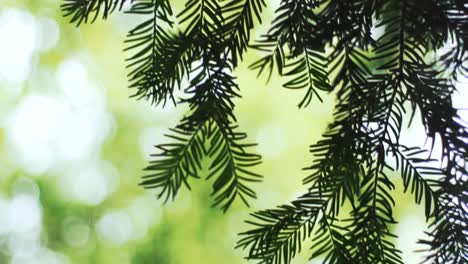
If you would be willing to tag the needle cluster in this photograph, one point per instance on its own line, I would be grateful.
(384, 60)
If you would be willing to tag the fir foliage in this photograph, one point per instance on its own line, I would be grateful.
(87, 11)
(384, 60)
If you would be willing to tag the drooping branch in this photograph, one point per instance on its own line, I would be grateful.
(87, 11)
(320, 46)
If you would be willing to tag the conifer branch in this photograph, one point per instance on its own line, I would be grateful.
(432, 95)
(239, 21)
(176, 163)
(87, 11)
(159, 60)
(319, 46)
(231, 166)
(369, 238)
(278, 233)
(296, 32)
(419, 177)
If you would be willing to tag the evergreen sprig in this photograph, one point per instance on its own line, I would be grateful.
(179, 161)
(383, 78)
(87, 11)
(159, 60)
(380, 82)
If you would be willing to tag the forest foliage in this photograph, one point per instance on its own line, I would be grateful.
(386, 62)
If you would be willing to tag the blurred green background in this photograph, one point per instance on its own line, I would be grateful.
(73, 145)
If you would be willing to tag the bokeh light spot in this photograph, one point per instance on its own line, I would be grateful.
(115, 227)
(19, 36)
(75, 232)
(272, 141)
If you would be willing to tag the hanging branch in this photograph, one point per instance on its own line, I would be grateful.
(449, 243)
(319, 46)
(295, 44)
(416, 174)
(278, 233)
(240, 19)
(368, 240)
(177, 162)
(87, 11)
(382, 93)
(231, 164)
(160, 59)
(213, 88)
(455, 21)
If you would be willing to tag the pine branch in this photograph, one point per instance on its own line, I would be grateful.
(318, 45)
(432, 95)
(351, 21)
(308, 72)
(278, 233)
(212, 89)
(208, 122)
(177, 162)
(231, 162)
(239, 20)
(296, 32)
(418, 177)
(374, 99)
(231, 166)
(204, 21)
(370, 233)
(160, 60)
(381, 100)
(455, 20)
(418, 78)
(84, 11)
(330, 240)
(335, 162)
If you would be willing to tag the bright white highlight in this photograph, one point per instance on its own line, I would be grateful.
(90, 184)
(272, 141)
(25, 186)
(49, 34)
(115, 227)
(150, 137)
(19, 35)
(75, 232)
(144, 211)
(409, 230)
(40, 256)
(24, 214)
(31, 130)
(46, 131)
(23, 35)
